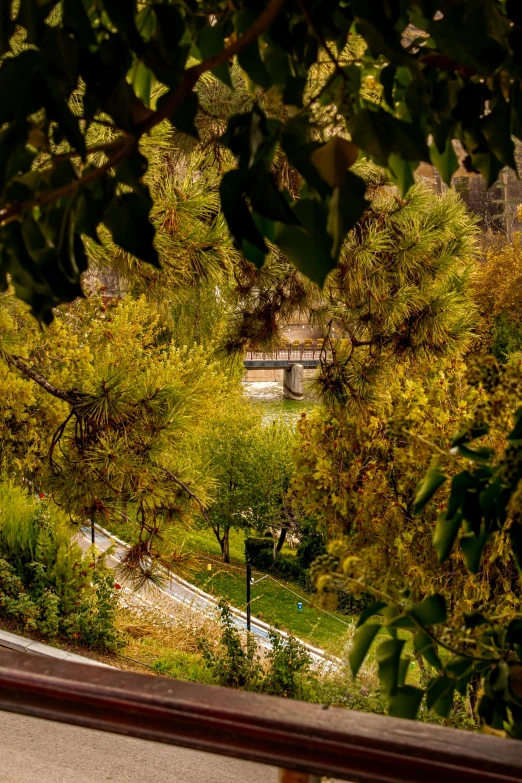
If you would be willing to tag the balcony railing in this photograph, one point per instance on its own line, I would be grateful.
(306, 738)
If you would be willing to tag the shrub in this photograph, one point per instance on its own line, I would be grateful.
(236, 665)
(46, 583)
(259, 553)
(236, 662)
(286, 660)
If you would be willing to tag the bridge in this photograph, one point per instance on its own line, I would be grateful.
(306, 353)
(291, 359)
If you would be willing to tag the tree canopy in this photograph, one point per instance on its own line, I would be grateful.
(392, 80)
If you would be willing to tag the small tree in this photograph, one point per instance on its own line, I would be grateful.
(229, 445)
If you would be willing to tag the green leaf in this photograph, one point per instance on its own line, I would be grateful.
(250, 59)
(431, 610)
(402, 171)
(210, 41)
(496, 127)
(380, 134)
(142, 80)
(516, 432)
(122, 14)
(7, 26)
(474, 619)
(401, 621)
(388, 656)
(131, 171)
(370, 611)
(405, 702)
(22, 88)
(333, 159)
(472, 547)
(446, 162)
(127, 218)
(252, 139)
(446, 532)
(439, 695)
(184, 118)
(166, 54)
(69, 125)
(347, 204)
(431, 482)
(387, 78)
(458, 666)
(482, 455)
(460, 485)
(362, 641)
(424, 645)
(309, 247)
(237, 214)
(76, 20)
(265, 198)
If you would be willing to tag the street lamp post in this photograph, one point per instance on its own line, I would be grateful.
(248, 583)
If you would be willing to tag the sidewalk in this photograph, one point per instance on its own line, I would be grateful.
(15, 642)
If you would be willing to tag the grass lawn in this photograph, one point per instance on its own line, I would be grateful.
(273, 601)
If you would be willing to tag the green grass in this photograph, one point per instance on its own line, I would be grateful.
(274, 603)
(271, 601)
(184, 666)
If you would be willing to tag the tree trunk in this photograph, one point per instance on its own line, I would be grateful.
(281, 540)
(225, 545)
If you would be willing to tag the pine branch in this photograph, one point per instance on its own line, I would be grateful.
(171, 103)
(189, 492)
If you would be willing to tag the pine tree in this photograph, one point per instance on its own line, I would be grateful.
(402, 289)
(130, 410)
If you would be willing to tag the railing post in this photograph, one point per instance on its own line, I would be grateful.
(291, 776)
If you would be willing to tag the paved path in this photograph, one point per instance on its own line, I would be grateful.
(38, 751)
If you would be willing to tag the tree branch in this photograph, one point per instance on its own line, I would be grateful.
(189, 492)
(173, 100)
(71, 397)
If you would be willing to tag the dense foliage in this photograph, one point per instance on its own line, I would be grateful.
(402, 90)
(395, 538)
(46, 583)
(154, 130)
(117, 449)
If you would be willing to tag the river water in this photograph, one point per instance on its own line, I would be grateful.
(269, 395)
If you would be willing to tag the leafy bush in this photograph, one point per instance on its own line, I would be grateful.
(238, 664)
(46, 583)
(286, 659)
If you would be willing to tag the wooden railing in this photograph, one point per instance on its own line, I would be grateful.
(290, 735)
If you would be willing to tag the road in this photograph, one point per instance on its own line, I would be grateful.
(39, 751)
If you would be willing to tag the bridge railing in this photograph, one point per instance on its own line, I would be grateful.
(303, 740)
(307, 349)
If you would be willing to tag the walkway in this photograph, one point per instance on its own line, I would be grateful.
(39, 751)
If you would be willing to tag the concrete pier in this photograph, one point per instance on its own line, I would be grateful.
(293, 382)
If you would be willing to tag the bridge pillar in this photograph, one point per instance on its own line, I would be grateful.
(293, 382)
